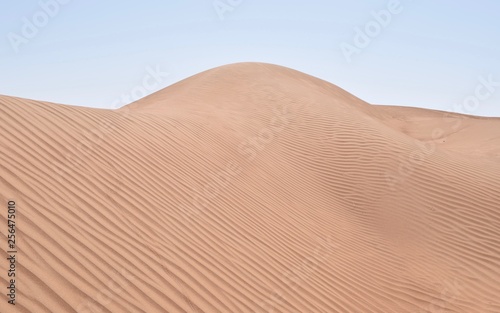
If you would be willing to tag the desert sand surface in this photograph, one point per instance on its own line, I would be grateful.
(250, 188)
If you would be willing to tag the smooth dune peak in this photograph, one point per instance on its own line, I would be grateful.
(251, 188)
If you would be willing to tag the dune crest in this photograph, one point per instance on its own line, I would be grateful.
(251, 188)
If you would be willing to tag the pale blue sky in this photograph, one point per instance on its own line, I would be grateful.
(90, 53)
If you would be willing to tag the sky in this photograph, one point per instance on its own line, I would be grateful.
(443, 54)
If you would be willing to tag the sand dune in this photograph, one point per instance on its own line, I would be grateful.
(251, 188)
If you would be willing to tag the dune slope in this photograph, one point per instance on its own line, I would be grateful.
(250, 188)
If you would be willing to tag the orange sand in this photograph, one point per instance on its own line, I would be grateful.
(250, 188)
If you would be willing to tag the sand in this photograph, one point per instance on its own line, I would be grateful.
(250, 188)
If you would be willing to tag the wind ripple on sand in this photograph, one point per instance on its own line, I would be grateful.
(250, 188)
